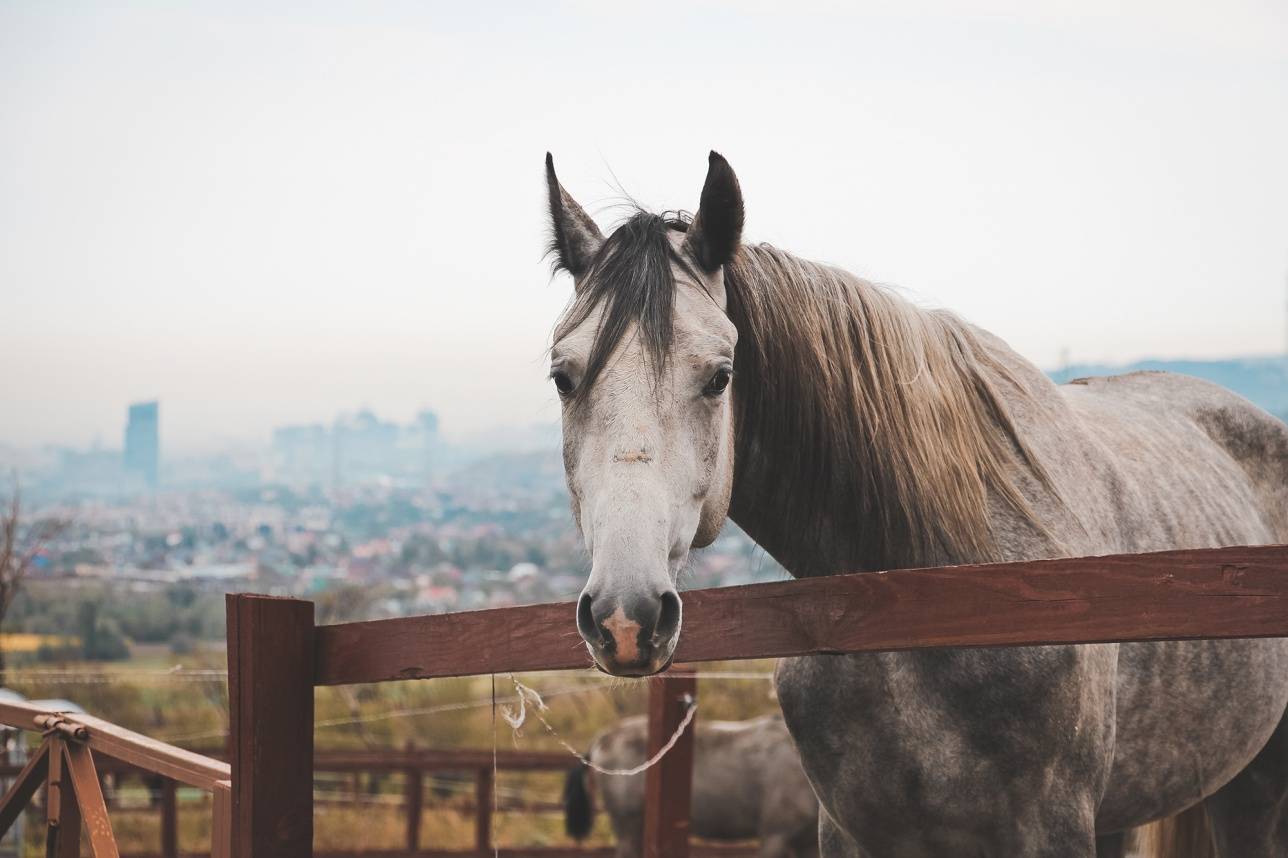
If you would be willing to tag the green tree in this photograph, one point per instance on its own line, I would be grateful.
(101, 640)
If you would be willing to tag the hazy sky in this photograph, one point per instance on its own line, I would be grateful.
(266, 216)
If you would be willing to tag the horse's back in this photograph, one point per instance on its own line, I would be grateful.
(1202, 465)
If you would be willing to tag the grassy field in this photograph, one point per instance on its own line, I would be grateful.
(170, 697)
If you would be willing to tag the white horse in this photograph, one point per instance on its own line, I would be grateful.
(865, 433)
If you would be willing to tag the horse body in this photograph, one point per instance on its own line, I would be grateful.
(1035, 751)
(747, 783)
(869, 434)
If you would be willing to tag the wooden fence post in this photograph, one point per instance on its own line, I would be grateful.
(668, 785)
(169, 820)
(415, 799)
(221, 818)
(270, 703)
(62, 814)
(89, 799)
(483, 811)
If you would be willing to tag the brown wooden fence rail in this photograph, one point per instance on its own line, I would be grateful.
(64, 764)
(276, 655)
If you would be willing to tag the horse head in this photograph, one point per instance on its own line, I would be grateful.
(643, 362)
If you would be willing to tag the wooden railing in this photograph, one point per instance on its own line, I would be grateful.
(64, 764)
(263, 802)
(412, 763)
(276, 655)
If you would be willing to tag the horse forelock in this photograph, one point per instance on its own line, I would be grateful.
(632, 280)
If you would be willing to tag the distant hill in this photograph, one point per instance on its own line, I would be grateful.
(1263, 380)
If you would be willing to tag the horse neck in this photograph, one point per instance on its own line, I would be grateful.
(861, 421)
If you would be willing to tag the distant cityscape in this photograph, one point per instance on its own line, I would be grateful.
(390, 515)
(354, 449)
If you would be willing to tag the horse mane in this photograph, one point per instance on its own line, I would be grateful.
(857, 412)
(898, 435)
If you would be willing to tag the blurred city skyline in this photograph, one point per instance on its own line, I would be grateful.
(262, 218)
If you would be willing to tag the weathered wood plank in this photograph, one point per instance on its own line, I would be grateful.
(89, 797)
(114, 741)
(534, 637)
(1209, 593)
(62, 815)
(146, 753)
(668, 784)
(270, 701)
(221, 832)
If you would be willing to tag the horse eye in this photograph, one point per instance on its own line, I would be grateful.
(562, 382)
(718, 382)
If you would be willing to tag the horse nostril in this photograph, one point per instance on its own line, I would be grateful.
(586, 620)
(668, 622)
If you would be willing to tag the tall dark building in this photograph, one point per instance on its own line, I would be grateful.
(143, 442)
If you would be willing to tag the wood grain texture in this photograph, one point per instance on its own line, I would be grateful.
(89, 797)
(105, 738)
(668, 784)
(270, 702)
(534, 637)
(221, 831)
(1207, 593)
(62, 814)
(151, 755)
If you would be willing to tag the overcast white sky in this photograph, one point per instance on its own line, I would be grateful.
(266, 216)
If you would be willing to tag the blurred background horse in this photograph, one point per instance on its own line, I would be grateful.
(747, 783)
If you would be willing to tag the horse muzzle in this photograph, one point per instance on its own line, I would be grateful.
(630, 634)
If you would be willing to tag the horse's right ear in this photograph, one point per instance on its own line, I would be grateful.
(574, 237)
(717, 227)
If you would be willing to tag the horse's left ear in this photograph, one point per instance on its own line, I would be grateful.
(717, 227)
